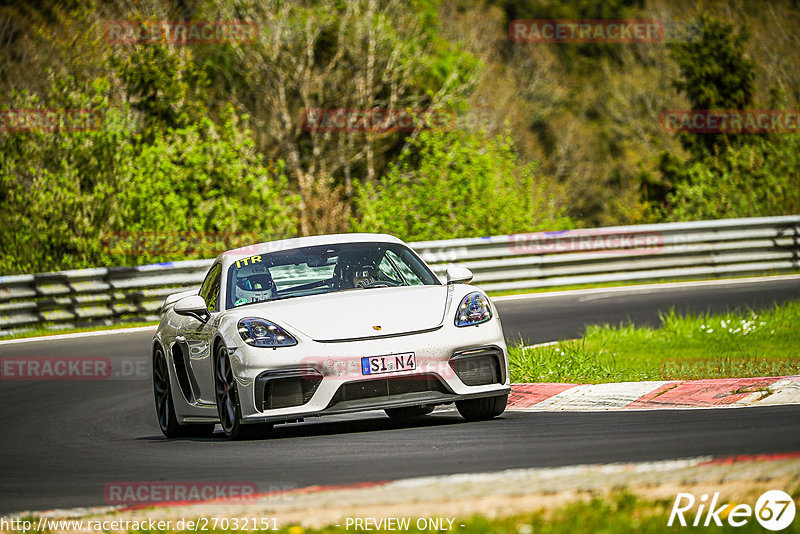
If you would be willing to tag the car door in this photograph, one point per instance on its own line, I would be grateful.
(199, 338)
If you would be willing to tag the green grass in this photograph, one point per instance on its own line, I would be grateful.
(687, 347)
(52, 330)
(621, 512)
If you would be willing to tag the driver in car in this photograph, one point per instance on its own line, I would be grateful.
(356, 270)
(365, 274)
(253, 284)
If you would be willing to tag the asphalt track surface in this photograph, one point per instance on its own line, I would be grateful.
(61, 442)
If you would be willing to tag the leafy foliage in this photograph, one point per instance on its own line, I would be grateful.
(356, 55)
(65, 193)
(725, 175)
(577, 56)
(209, 137)
(715, 74)
(754, 180)
(455, 183)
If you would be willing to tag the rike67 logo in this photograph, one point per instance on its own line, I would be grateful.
(774, 510)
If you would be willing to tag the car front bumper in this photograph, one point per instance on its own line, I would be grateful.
(320, 378)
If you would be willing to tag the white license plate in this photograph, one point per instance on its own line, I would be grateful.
(390, 363)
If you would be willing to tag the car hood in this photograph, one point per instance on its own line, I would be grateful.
(359, 313)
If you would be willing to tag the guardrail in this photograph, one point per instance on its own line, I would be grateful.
(703, 249)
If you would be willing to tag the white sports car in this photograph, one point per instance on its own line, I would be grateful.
(324, 325)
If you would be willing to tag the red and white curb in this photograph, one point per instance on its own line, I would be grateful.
(672, 394)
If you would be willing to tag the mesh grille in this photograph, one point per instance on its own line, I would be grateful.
(478, 370)
(290, 391)
(384, 387)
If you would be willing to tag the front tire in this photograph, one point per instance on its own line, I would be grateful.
(165, 408)
(482, 409)
(227, 397)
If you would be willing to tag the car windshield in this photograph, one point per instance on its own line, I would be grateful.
(324, 269)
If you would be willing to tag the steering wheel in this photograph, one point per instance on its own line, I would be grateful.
(381, 283)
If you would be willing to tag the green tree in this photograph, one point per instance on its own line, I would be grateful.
(350, 54)
(205, 178)
(164, 84)
(65, 193)
(715, 74)
(57, 188)
(758, 179)
(452, 184)
(579, 57)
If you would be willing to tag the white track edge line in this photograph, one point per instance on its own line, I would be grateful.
(75, 335)
(648, 287)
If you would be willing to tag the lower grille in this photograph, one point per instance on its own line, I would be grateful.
(481, 369)
(285, 389)
(385, 387)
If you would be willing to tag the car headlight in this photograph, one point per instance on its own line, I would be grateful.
(262, 333)
(473, 309)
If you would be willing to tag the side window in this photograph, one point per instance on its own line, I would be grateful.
(388, 270)
(411, 279)
(210, 288)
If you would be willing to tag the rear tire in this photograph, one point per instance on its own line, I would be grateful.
(227, 397)
(165, 409)
(482, 409)
(408, 412)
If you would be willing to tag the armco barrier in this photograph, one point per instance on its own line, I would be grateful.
(703, 249)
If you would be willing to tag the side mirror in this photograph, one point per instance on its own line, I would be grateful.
(458, 275)
(193, 306)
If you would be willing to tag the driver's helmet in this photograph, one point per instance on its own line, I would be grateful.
(362, 273)
(253, 284)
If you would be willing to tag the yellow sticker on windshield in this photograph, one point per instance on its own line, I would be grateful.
(248, 261)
